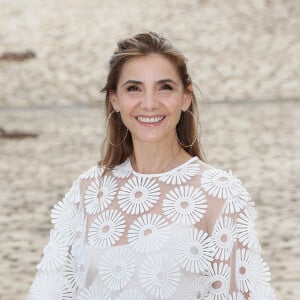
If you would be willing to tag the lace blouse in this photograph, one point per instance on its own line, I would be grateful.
(184, 234)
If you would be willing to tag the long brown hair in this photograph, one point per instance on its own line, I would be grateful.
(118, 146)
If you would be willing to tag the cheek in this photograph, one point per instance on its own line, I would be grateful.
(174, 113)
(178, 117)
(174, 105)
(126, 108)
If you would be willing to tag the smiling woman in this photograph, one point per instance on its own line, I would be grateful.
(152, 220)
(147, 70)
(150, 104)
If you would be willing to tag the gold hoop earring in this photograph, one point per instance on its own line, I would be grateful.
(124, 138)
(195, 138)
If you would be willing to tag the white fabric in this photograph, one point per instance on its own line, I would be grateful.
(183, 234)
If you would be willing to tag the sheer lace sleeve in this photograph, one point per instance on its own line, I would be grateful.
(61, 269)
(237, 268)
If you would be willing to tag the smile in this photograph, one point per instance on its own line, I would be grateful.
(149, 120)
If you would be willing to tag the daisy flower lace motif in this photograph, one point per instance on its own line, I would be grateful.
(180, 175)
(55, 252)
(73, 195)
(148, 233)
(94, 172)
(49, 286)
(251, 270)
(131, 294)
(100, 194)
(75, 270)
(246, 230)
(78, 229)
(116, 268)
(62, 214)
(69, 220)
(221, 184)
(94, 293)
(219, 280)
(160, 276)
(138, 195)
(107, 229)
(237, 201)
(184, 205)
(194, 250)
(197, 288)
(224, 237)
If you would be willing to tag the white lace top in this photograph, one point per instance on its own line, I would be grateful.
(183, 234)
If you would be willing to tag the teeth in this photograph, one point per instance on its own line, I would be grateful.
(150, 120)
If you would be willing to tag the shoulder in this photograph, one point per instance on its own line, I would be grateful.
(73, 195)
(92, 173)
(122, 170)
(220, 183)
(224, 185)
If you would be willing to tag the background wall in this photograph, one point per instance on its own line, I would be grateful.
(243, 56)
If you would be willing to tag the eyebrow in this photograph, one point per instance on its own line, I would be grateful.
(167, 80)
(132, 82)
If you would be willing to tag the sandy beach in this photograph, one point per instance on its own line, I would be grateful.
(243, 56)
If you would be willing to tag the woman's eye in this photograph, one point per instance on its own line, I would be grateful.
(133, 88)
(166, 87)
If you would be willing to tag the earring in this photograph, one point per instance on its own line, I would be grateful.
(124, 138)
(195, 138)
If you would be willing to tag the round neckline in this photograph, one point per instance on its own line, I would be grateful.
(194, 158)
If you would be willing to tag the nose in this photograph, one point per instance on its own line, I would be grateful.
(149, 101)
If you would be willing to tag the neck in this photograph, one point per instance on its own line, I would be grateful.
(151, 158)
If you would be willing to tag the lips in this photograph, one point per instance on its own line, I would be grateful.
(150, 119)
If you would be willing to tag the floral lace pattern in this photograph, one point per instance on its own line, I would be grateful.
(106, 229)
(180, 175)
(100, 194)
(177, 235)
(224, 237)
(160, 276)
(55, 252)
(194, 251)
(148, 233)
(116, 268)
(184, 205)
(138, 195)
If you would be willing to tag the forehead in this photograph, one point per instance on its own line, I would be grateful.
(151, 67)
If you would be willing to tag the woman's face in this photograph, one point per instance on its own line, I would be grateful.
(150, 97)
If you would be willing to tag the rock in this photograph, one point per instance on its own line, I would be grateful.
(18, 56)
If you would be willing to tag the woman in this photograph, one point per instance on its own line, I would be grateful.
(152, 221)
